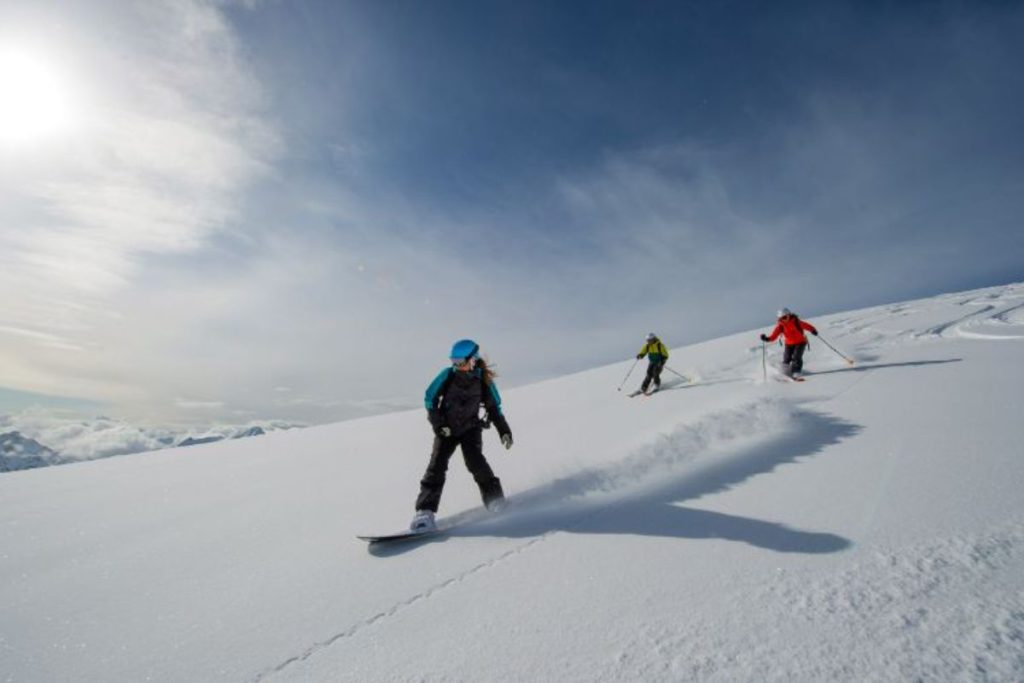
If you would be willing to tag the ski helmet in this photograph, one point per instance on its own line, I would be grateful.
(464, 349)
(651, 336)
(784, 312)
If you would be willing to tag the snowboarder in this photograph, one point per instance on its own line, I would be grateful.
(657, 355)
(792, 329)
(453, 403)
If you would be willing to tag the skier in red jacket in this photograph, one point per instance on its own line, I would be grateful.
(792, 330)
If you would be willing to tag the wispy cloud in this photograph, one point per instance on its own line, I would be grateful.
(169, 134)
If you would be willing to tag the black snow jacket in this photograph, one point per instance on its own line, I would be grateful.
(454, 400)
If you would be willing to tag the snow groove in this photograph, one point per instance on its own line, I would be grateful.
(940, 330)
(1009, 318)
(1006, 318)
(396, 609)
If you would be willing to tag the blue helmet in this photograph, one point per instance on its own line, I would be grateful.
(463, 349)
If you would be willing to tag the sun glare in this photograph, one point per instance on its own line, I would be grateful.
(34, 102)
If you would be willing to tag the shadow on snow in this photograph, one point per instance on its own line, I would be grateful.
(882, 366)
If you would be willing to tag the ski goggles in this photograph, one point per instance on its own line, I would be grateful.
(471, 356)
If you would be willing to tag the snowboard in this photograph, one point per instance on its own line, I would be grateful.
(404, 536)
(442, 528)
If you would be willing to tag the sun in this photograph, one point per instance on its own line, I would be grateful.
(34, 98)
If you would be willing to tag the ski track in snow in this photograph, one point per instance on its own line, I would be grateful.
(1011, 316)
(964, 327)
(999, 315)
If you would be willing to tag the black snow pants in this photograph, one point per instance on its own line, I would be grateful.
(793, 358)
(653, 375)
(472, 452)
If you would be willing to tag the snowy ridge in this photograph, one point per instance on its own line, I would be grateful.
(864, 525)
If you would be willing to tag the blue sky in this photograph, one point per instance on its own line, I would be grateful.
(273, 209)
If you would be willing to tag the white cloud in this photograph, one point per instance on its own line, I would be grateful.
(170, 132)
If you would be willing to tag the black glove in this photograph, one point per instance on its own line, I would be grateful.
(503, 430)
(639, 356)
(764, 337)
(501, 424)
(814, 332)
(437, 424)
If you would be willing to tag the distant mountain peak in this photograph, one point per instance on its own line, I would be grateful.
(18, 452)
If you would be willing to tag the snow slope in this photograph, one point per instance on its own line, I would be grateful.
(865, 525)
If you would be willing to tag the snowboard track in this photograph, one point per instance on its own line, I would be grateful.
(397, 608)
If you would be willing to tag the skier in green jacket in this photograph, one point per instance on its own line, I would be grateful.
(657, 355)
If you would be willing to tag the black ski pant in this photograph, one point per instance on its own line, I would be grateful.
(793, 358)
(472, 452)
(653, 375)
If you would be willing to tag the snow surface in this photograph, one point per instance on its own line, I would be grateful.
(867, 524)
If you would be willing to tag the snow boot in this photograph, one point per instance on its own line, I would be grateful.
(423, 521)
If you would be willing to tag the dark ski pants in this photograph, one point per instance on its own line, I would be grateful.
(472, 452)
(653, 375)
(793, 358)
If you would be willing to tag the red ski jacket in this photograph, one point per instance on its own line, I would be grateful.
(792, 330)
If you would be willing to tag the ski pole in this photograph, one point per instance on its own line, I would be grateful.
(628, 374)
(838, 353)
(764, 361)
(676, 373)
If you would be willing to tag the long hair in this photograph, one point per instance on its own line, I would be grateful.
(488, 370)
